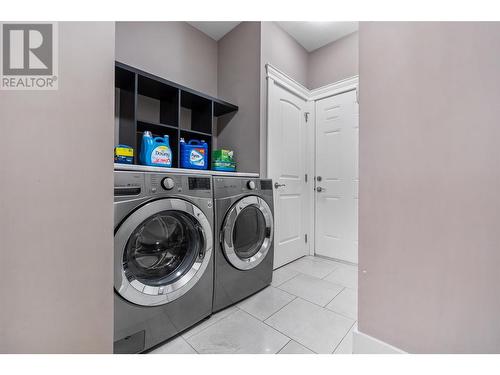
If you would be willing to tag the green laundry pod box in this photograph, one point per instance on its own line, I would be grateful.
(226, 166)
(223, 155)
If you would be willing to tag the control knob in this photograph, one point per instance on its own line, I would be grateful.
(251, 185)
(167, 183)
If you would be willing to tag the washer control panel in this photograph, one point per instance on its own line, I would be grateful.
(161, 184)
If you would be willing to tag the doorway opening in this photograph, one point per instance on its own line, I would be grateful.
(313, 138)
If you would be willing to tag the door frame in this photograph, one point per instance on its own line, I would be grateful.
(336, 88)
(276, 76)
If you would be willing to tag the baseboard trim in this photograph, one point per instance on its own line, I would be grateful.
(336, 260)
(366, 344)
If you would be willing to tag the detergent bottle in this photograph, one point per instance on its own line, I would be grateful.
(155, 151)
(194, 154)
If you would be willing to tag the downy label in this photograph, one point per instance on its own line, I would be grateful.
(161, 155)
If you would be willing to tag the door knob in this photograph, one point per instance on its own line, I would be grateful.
(319, 189)
(276, 185)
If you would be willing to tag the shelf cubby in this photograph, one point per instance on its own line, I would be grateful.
(157, 101)
(196, 113)
(125, 128)
(223, 108)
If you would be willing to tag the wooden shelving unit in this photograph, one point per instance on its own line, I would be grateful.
(147, 102)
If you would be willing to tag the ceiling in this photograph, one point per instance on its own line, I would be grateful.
(215, 29)
(313, 35)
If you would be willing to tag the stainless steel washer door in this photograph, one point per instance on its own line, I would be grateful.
(161, 251)
(247, 232)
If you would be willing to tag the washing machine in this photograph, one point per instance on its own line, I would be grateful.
(163, 256)
(244, 238)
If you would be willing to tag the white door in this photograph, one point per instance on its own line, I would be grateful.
(287, 152)
(337, 178)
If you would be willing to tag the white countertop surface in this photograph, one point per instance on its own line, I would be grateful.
(146, 168)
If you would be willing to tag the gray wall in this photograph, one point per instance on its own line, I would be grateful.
(173, 50)
(239, 74)
(284, 52)
(333, 62)
(279, 49)
(56, 226)
(430, 182)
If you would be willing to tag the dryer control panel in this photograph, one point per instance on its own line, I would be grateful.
(230, 186)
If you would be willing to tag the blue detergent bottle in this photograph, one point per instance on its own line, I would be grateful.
(194, 154)
(155, 151)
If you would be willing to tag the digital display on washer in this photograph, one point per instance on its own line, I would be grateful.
(199, 183)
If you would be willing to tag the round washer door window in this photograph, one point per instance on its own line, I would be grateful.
(161, 250)
(247, 232)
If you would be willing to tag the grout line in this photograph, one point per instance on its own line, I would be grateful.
(324, 308)
(336, 295)
(252, 315)
(283, 333)
(287, 280)
(335, 269)
(281, 290)
(281, 308)
(239, 309)
(314, 303)
(274, 329)
(343, 315)
(215, 322)
(191, 346)
(311, 276)
(343, 338)
(283, 347)
(278, 287)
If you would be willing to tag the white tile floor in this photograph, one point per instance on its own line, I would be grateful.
(310, 307)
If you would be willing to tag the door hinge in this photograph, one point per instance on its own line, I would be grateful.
(305, 238)
(306, 116)
(305, 177)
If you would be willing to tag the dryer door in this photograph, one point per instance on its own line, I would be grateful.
(247, 232)
(161, 251)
